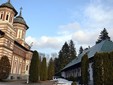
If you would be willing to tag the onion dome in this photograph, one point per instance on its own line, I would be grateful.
(20, 19)
(9, 5)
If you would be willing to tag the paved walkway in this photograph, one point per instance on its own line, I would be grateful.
(23, 83)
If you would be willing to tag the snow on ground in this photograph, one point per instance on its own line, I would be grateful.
(61, 81)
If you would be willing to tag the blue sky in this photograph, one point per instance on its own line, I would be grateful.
(52, 22)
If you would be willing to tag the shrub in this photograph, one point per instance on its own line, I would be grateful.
(5, 68)
(71, 78)
(74, 83)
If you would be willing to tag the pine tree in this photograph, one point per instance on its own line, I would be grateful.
(103, 36)
(5, 67)
(80, 50)
(64, 56)
(34, 72)
(43, 73)
(50, 69)
(72, 51)
(56, 65)
(84, 69)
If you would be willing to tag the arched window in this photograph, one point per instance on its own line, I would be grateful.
(7, 17)
(1, 15)
(10, 19)
(19, 34)
(26, 67)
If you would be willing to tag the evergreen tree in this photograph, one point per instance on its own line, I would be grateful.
(5, 67)
(72, 51)
(98, 72)
(107, 68)
(84, 69)
(62, 59)
(66, 54)
(80, 50)
(111, 68)
(103, 36)
(103, 69)
(56, 65)
(73, 83)
(34, 71)
(50, 69)
(43, 74)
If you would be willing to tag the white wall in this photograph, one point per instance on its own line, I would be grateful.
(90, 71)
(63, 74)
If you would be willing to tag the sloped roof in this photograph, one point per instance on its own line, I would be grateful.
(9, 5)
(20, 19)
(104, 46)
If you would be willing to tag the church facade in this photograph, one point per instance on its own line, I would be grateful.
(12, 41)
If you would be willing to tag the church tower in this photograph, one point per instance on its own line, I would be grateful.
(20, 27)
(7, 14)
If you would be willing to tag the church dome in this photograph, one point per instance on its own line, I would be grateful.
(9, 5)
(20, 19)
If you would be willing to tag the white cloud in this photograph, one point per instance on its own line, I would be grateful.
(99, 14)
(47, 43)
(53, 44)
(95, 17)
(110, 33)
(70, 26)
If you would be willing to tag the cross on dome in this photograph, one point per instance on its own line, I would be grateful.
(21, 11)
(8, 1)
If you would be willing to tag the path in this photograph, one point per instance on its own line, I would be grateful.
(23, 83)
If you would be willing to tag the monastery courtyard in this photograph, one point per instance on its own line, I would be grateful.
(23, 83)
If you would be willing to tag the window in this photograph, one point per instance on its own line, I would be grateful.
(7, 17)
(26, 67)
(11, 77)
(10, 19)
(23, 35)
(1, 15)
(19, 35)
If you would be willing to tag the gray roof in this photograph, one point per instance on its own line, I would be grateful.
(20, 19)
(104, 46)
(9, 5)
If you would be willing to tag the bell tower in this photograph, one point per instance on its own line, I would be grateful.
(20, 27)
(7, 14)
